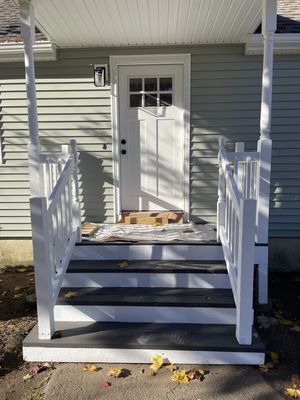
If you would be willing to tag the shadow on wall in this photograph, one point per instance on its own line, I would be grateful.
(93, 184)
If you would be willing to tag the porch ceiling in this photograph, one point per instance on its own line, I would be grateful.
(81, 23)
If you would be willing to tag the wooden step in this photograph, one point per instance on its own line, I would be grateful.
(138, 342)
(136, 304)
(115, 273)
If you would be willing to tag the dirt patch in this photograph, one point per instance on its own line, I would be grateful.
(70, 382)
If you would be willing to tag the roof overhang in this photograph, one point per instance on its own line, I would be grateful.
(110, 23)
(13, 52)
(284, 43)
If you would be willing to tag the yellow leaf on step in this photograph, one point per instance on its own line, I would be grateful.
(116, 372)
(295, 328)
(171, 367)
(157, 362)
(285, 322)
(266, 367)
(91, 368)
(123, 264)
(295, 393)
(180, 377)
(274, 357)
(70, 294)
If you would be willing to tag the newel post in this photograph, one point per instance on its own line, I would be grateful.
(264, 146)
(245, 260)
(221, 191)
(34, 150)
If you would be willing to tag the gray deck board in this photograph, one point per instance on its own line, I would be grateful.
(144, 335)
(159, 297)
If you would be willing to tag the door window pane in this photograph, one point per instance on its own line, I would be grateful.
(135, 84)
(150, 84)
(165, 99)
(150, 100)
(136, 100)
(165, 84)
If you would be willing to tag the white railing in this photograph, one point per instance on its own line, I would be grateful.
(236, 226)
(55, 218)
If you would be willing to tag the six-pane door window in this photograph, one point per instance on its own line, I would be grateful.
(151, 92)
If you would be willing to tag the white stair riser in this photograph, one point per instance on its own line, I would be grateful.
(132, 279)
(148, 252)
(195, 315)
(138, 356)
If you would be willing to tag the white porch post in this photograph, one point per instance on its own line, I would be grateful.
(264, 146)
(38, 207)
(28, 37)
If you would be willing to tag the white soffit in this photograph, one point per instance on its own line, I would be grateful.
(82, 23)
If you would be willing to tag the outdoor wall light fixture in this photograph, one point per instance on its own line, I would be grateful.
(100, 74)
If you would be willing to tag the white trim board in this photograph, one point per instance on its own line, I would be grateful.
(284, 43)
(115, 62)
(13, 52)
(145, 279)
(138, 356)
(165, 314)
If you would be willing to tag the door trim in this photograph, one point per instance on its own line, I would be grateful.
(115, 63)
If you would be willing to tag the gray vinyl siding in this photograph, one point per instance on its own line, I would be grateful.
(225, 99)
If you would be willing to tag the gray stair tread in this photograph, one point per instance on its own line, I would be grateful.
(81, 266)
(123, 335)
(135, 296)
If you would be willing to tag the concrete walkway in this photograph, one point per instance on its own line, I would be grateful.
(70, 382)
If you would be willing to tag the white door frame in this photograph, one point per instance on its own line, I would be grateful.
(115, 63)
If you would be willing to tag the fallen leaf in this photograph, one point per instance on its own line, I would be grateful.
(115, 372)
(17, 288)
(17, 296)
(91, 368)
(1, 280)
(3, 293)
(196, 373)
(70, 295)
(123, 264)
(171, 367)
(180, 377)
(27, 377)
(295, 328)
(266, 367)
(285, 322)
(36, 395)
(274, 357)
(21, 269)
(296, 381)
(58, 334)
(295, 393)
(105, 384)
(40, 368)
(157, 362)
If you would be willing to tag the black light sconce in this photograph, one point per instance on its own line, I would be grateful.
(100, 74)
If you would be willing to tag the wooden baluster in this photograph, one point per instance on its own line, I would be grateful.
(239, 148)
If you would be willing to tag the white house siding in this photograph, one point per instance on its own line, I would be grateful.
(225, 99)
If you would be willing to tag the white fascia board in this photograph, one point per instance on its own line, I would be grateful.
(13, 52)
(284, 43)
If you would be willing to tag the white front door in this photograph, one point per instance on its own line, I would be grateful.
(151, 135)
